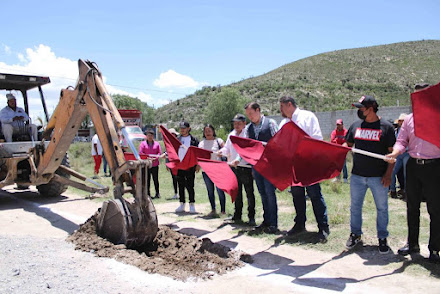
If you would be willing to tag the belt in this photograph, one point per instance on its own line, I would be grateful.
(426, 161)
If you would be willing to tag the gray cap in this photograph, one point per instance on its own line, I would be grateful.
(239, 117)
(184, 125)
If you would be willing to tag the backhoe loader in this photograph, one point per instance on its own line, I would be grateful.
(43, 161)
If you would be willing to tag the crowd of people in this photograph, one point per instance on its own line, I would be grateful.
(404, 152)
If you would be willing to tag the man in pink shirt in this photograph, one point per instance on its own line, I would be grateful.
(422, 181)
(338, 137)
(152, 148)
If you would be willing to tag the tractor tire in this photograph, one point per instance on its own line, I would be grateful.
(55, 188)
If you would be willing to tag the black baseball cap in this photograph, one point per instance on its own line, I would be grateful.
(184, 125)
(239, 117)
(365, 101)
(421, 86)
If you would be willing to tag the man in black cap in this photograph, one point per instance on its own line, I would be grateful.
(373, 134)
(185, 178)
(242, 170)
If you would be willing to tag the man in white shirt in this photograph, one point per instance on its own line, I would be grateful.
(309, 123)
(97, 154)
(242, 170)
(13, 119)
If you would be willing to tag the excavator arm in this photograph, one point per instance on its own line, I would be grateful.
(133, 223)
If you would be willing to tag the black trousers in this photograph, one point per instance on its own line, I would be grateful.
(423, 181)
(174, 177)
(244, 178)
(153, 171)
(185, 178)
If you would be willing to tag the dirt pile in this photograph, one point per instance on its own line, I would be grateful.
(173, 254)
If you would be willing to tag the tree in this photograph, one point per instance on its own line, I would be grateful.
(224, 105)
(127, 102)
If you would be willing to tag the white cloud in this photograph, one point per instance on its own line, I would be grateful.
(172, 79)
(63, 72)
(7, 49)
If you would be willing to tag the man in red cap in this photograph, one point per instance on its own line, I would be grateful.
(338, 137)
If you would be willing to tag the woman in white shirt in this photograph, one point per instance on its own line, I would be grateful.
(214, 144)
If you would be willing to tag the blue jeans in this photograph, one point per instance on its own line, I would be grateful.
(318, 203)
(344, 171)
(221, 195)
(401, 161)
(358, 188)
(268, 199)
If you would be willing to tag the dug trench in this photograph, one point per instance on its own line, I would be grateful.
(180, 256)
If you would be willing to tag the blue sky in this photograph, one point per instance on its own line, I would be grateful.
(162, 50)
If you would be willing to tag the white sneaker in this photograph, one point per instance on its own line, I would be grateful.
(335, 180)
(176, 196)
(181, 208)
(192, 208)
(346, 181)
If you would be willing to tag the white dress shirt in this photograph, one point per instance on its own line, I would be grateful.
(229, 150)
(307, 121)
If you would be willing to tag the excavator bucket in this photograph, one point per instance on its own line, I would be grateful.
(131, 223)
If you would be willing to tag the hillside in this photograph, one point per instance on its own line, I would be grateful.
(328, 81)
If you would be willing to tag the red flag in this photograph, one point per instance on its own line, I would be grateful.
(249, 149)
(426, 111)
(221, 175)
(172, 144)
(292, 158)
(327, 161)
(130, 156)
(192, 156)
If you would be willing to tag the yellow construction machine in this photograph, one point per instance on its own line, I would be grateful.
(43, 162)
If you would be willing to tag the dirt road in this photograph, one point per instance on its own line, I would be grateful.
(35, 258)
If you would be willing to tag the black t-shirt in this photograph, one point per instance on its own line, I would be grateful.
(374, 137)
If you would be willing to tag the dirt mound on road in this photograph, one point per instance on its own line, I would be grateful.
(173, 254)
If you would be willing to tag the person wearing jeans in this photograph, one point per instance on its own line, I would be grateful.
(262, 128)
(358, 188)
(374, 134)
(401, 162)
(212, 143)
(269, 201)
(221, 195)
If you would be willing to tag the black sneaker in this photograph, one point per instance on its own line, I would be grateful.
(252, 222)
(261, 227)
(353, 240)
(434, 257)
(323, 235)
(383, 246)
(271, 230)
(393, 194)
(296, 230)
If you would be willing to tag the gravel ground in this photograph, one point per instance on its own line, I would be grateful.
(36, 258)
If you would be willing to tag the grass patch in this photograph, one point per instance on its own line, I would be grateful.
(337, 197)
